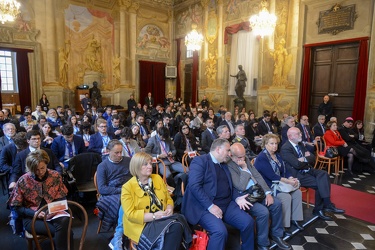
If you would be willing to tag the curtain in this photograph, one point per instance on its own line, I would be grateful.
(233, 29)
(178, 63)
(244, 51)
(152, 79)
(361, 86)
(194, 78)
(306, 83)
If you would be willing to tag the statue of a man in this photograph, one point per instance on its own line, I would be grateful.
(241, 82)
(95, 95)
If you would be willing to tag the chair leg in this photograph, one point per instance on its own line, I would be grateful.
(99, 227)
(307, 198)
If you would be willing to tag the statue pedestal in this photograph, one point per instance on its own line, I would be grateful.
(240, 102)
(92, 76)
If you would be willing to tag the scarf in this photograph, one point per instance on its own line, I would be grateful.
(276, 165)
(155, 204)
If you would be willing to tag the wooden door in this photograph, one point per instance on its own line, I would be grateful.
(334, 72)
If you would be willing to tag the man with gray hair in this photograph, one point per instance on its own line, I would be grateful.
(319, 128)
(289, 123)
(9, 130)
(223, 132)
(240, 137)
(228, 122)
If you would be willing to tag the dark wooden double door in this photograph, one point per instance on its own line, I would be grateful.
(334, 72)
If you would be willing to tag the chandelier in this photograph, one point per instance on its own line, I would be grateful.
(264, 23)
(193, 40)
(9, 9)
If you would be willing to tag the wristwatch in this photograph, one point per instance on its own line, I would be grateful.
(153, 216)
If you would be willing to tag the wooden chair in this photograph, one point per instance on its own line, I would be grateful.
(321, 160)
(38, 238)
(185, 160)
(97, 198)
(306, 190)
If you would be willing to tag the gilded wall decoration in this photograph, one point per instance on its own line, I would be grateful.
(282, 20)
(211, 69)
(276, 101)
(152, 42)
(192, 15)
(91, 34)
(282, 64)
(212, 26)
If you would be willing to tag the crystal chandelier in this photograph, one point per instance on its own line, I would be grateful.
(9, 9)
(264, 23)
(193, 40)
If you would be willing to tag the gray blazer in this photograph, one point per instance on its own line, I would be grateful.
(241, 178)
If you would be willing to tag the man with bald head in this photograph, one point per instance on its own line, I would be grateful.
(244, 177)
(299, 162)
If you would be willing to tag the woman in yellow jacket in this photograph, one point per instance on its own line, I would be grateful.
(148, 208)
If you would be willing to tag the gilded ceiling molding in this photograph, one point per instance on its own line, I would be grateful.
(160, 17)
(124, 3)
(134, 7)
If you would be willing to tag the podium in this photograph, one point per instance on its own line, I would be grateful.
(80, 93)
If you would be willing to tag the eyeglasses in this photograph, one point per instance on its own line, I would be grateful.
(102, 126)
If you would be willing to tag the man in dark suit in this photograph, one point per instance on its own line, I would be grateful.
(211, 205)
(19, 165)
(264, 126)
(307, 137)
(160, 146)
(319, 127)
(9, 130)
(140, 121)
(115, 127)
(9, 152)
(132, 104)
(67, 145)
(299, 160)
(209, 135)
(149, 101)
(100, 140)
(289, 123)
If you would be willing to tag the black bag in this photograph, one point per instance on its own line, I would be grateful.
(69, 182)
(331, 152)
(256, 194)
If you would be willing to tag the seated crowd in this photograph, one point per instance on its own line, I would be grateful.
(234, 154)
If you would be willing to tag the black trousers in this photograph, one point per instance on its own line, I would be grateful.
(173, 237)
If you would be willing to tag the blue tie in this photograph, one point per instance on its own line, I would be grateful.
(299, 152)
(70, 149)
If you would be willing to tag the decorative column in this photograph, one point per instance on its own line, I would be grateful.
(122, 33)
(51, 49)
(133, 40)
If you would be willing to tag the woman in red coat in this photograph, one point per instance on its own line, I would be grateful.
(334, 139)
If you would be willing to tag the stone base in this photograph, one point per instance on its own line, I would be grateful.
(92, 76)
(240, 102)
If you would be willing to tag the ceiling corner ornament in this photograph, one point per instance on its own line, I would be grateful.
(9, 9)
(193, 40)
(337, 19)
(264, 23)
(212, 27)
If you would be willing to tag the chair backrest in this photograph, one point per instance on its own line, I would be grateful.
(320, 146)
(185, 160)
(83, 166)
(45, 209)
(96, 187)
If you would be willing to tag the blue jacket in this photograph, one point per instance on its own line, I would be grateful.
(58, 146)
(202, 187)
(96, 143)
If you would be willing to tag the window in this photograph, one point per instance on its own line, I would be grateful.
(8, 71)
(189, 53)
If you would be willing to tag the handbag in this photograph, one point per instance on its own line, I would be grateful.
(331, 152)
(283, 187)
(200, 240)
(256, 194)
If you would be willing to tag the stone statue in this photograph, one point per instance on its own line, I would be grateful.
(93, 55)
(63, 63)
(210, 70)
(241, 82)
(95, 95)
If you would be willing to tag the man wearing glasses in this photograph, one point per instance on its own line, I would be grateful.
(100, 140)
(67, 145)
(19, 165)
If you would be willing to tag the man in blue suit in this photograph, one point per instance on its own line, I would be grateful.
(67, 145)
(209, 199)
(100, 140)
